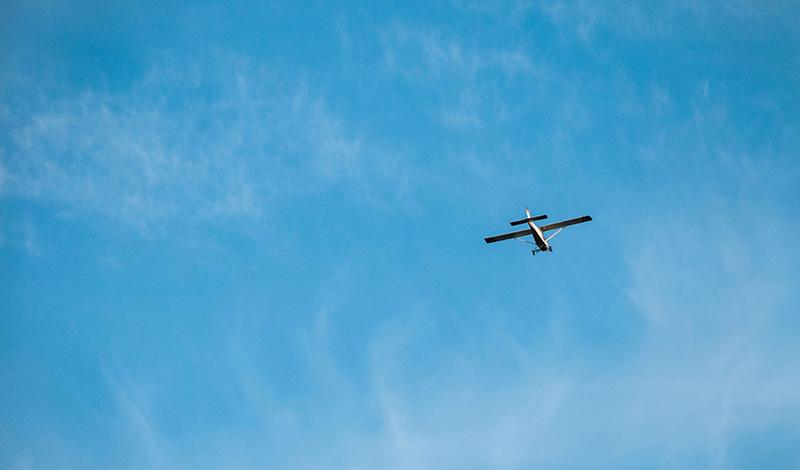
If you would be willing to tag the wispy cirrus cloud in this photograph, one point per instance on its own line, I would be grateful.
(137, 422)
(465, 77)
(586, 22)
(731, 371)
(197, 142)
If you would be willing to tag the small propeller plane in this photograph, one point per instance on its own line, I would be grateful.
(539, 239)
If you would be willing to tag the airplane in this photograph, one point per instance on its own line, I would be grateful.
(538, 232)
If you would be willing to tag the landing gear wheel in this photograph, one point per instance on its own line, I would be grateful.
(533, 252)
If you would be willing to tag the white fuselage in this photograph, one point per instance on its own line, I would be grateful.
(538, 237)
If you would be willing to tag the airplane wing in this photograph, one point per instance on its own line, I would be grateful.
(565, 223)
(507, 236)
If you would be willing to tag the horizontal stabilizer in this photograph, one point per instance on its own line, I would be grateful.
(508, 236)
(532, 219)
(566, 223)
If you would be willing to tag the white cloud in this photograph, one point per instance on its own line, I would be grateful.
(715, 352)
(20, 232)
(192, 143)
(465, 77)
(138, 427)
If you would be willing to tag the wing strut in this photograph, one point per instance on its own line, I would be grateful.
(553, 235)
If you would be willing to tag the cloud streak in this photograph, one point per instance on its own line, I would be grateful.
(216, 142)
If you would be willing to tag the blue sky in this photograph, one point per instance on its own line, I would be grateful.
(250, 235)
